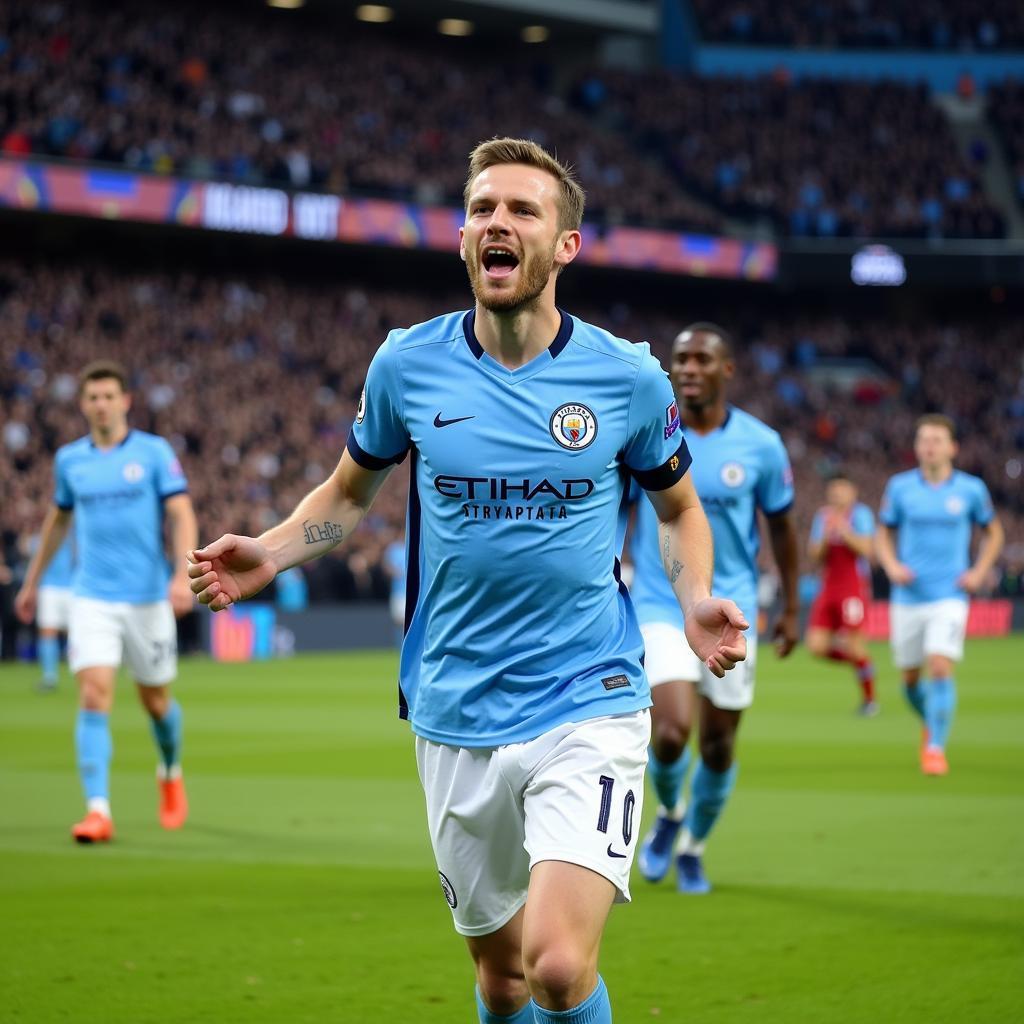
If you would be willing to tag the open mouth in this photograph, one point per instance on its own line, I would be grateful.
(499, 263)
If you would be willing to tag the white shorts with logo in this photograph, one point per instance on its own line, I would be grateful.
(53, 608)
(935, 627)
(142, 636)
(669, 659)
(573, 794)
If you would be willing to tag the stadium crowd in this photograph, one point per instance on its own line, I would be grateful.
(931, 25)
(256, 386)
(198, 91)
(817, 157)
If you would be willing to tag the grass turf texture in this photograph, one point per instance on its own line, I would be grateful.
(848, 887)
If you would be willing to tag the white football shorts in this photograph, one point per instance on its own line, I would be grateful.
(573, 794)
(142, 636)
(668, 659)
(53, 608)
(935, 627)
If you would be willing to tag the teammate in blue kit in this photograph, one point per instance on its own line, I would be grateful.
(118, 485)
(521, 668)
(740, 467)
(933, 510)
(53, 612)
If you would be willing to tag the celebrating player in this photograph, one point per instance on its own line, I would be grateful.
(521, 668)
(119, 484)
(740, 466)
(933, 509)
(842, 541)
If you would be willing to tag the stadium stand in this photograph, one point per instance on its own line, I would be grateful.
(187, 90)
(932, 25)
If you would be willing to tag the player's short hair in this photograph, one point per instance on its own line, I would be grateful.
(936, 419)
(838, 474)
(707, 327)
(495, 152)
(103, 369)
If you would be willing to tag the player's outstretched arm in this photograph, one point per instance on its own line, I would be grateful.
(714, 627)
(234, 568)
(55, 527)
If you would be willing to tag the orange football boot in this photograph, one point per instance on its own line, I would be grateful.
(173, 802)
(933, 761)
(95, 827)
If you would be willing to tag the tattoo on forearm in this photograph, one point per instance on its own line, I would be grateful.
(317, 533)
(665, 547)
(677, 568)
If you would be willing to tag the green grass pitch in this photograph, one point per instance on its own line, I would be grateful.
(848, 888)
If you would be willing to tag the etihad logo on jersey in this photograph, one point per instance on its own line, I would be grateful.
(500, 488)
(573, 426)
(500, 498)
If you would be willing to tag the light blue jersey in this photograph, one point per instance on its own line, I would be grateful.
(738, 468)
(117, 496)
(60, 571)
(517, 620)
(934, 523)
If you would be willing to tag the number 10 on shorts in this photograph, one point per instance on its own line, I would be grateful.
(604, 814)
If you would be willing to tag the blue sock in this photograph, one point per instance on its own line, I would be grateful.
(708, 794)
(667, 779)
(940, 704)
(49, 657)
(595, 1009)
(95, 747)
(167, 733)
(524, 1016)
(915, 698)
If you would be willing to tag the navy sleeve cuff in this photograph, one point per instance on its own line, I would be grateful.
(775, 513)
(65, 508)
(664, 476)
(173, 494)
(368, 461)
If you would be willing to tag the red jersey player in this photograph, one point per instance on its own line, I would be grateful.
(842, 538)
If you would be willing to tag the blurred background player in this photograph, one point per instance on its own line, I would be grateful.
(119, 484)
(933, 510)
(740, 466)
(52, 612)
(394, 567)
(842, 542)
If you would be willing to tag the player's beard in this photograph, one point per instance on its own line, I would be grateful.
(534, 272)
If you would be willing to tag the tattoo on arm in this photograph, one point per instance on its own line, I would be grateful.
(677, 568)
(665, 546)
(318, 533)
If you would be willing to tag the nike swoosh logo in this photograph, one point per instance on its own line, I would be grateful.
(612, 853)
(438, 422)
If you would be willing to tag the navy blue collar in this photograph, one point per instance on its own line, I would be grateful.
(120, 444)
(553, 350)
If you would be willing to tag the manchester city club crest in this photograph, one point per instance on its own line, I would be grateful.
(954, 505)
(133, 472)
(733, 474)
(573, 426)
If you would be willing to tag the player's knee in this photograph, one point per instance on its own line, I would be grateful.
(156, 702)
(558, 976)
(669, 740)
(817, 644)
(503, 988)
(716, 751)
(911, 676)
(939, 667)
